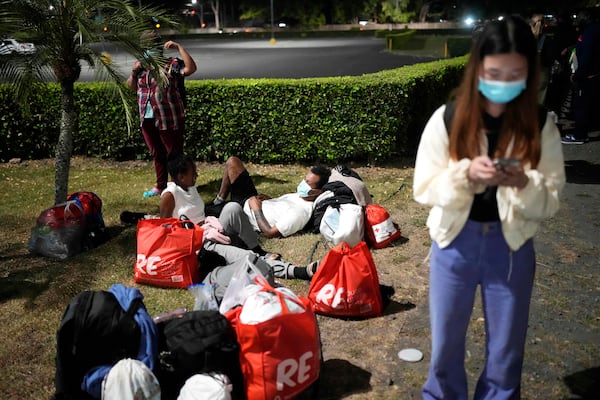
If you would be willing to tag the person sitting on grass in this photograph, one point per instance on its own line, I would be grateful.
(272, 217)
(181, 198)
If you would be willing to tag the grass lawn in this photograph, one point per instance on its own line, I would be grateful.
(34, 290)
(360, 357)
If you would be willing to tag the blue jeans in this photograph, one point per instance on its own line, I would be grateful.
(479, 256)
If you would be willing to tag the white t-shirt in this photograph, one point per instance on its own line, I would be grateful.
(187, 202)
(289, 213)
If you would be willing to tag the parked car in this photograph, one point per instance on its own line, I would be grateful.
(10, 46)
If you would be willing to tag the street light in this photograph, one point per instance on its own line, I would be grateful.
(272, 41)
(194, 2)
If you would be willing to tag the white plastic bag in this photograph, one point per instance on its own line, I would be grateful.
(262, 306)
(236, 292)
(207, 386)
(204, 295)
(130, 380)
(343, 224)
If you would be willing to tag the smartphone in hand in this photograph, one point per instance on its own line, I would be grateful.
(502, 163)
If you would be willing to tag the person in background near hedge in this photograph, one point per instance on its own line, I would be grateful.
(162, 115)
(483, 217)
(560, 46)
(538, 28)
(272, 217)
(586, 78)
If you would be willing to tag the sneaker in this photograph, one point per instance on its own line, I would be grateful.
(130, 217)
(272, 256)
(570, 139)
(152, 192)
(312, 268)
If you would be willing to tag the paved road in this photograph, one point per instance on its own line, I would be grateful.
(287, 58)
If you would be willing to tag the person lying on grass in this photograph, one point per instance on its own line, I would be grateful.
(272, 217)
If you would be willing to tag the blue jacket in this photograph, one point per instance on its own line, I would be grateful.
(148, 352)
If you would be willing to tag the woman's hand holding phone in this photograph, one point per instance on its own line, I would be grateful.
(511, 172)
(499, 172)
(483, 171)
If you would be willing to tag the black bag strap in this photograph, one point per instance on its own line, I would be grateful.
(129, 316)
(313, 251)
(451, 108)
(449, 115)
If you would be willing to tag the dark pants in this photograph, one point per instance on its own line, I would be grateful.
(243, 188)
(161, 144)
(586, 97)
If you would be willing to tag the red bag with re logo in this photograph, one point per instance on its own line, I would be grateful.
(166, 253)
(346, 283)
(280, 356)
(380, 230)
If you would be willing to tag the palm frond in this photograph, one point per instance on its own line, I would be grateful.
(67, 34)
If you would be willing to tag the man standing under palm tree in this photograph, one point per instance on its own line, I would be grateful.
(66, 35)
(161, 109)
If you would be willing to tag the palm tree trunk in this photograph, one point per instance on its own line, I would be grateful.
(64, 148)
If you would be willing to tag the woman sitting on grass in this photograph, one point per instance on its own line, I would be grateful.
(181, 198)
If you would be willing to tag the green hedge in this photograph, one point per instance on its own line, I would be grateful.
(371, 117)
(401, 40)
(458, 45)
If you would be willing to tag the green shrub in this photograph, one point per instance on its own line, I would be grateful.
(458, 45)
(401, 40)
(370, 117)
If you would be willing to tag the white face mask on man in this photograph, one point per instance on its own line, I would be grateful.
(303, 189)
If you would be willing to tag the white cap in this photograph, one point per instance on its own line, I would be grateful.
(210, 386)
(130, 380)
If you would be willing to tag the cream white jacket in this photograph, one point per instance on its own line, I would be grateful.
(442, 183)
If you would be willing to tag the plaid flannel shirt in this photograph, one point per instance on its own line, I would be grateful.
(166, 104)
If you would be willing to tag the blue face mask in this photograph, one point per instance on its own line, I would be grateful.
(303, 189)
(501, 92)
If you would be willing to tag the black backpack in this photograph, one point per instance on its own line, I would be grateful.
(94, 331)
(342, 194)
(197, 342)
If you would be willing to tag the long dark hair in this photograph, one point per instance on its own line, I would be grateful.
(510, 35)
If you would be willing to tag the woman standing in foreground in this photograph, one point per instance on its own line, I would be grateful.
(484, 213)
